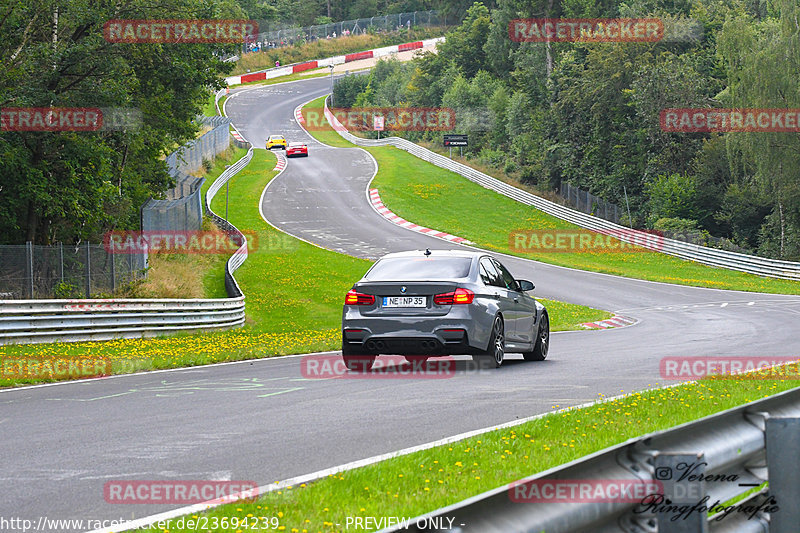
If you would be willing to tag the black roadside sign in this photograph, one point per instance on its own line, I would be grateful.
(455, 140)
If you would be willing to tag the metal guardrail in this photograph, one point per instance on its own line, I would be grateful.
(239, 256)
(36, 321)
(732, 452)
(751, 264)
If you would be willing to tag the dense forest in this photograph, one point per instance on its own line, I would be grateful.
(70, 186)
(588, 112)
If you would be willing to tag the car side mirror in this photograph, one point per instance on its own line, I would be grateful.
(525, 285)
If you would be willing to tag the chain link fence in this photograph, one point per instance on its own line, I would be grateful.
(589, 203)
(29, 271)
(85, 270)
(594, 205)
(273, 38)
(182, 210)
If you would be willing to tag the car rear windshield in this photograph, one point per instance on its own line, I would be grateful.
(419, 268)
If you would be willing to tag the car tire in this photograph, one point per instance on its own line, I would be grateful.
(542, 345)
(359, 363)
(494, 354)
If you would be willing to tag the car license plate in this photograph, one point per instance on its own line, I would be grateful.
(404, 301)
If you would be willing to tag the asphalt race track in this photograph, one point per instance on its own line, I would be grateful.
(263, 421)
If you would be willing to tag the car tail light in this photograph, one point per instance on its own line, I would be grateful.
(356, 298)
(458, 296)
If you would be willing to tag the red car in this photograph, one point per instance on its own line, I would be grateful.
(297, 149)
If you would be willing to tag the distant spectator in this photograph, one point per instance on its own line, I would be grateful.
(334, 35)
(277, 63)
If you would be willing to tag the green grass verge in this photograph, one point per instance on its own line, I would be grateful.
(437, 198)
(421, 482)
(209, 109)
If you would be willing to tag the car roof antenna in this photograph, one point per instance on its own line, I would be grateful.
(427, 252)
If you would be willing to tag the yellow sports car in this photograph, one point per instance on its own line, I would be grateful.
(276, 140)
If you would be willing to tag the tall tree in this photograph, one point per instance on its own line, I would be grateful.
(76, 185)
(762, 59)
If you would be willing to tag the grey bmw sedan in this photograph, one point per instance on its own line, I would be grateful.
(422, 304)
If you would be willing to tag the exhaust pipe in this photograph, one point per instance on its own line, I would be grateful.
(428, 345)
(370, 345)
(380, 345)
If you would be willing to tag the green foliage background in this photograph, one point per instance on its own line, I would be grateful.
(72, 186)
(588, 113)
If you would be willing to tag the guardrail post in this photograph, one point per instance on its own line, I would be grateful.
(88, 270)
(783, 449)
(29, 267)
(61, 260)
(113, 271)
(670, 471)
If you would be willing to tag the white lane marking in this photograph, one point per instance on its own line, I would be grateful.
(769, 302)
(724, 304)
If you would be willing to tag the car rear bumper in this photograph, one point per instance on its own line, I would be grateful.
(455, 333)
(443, 343)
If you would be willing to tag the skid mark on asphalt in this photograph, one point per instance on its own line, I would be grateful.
(169, 389)
(161, 448)
(46, 474)
(217, 475)
(784, 304)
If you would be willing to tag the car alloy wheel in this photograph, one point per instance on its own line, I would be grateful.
(498, 342)
(542, 345)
